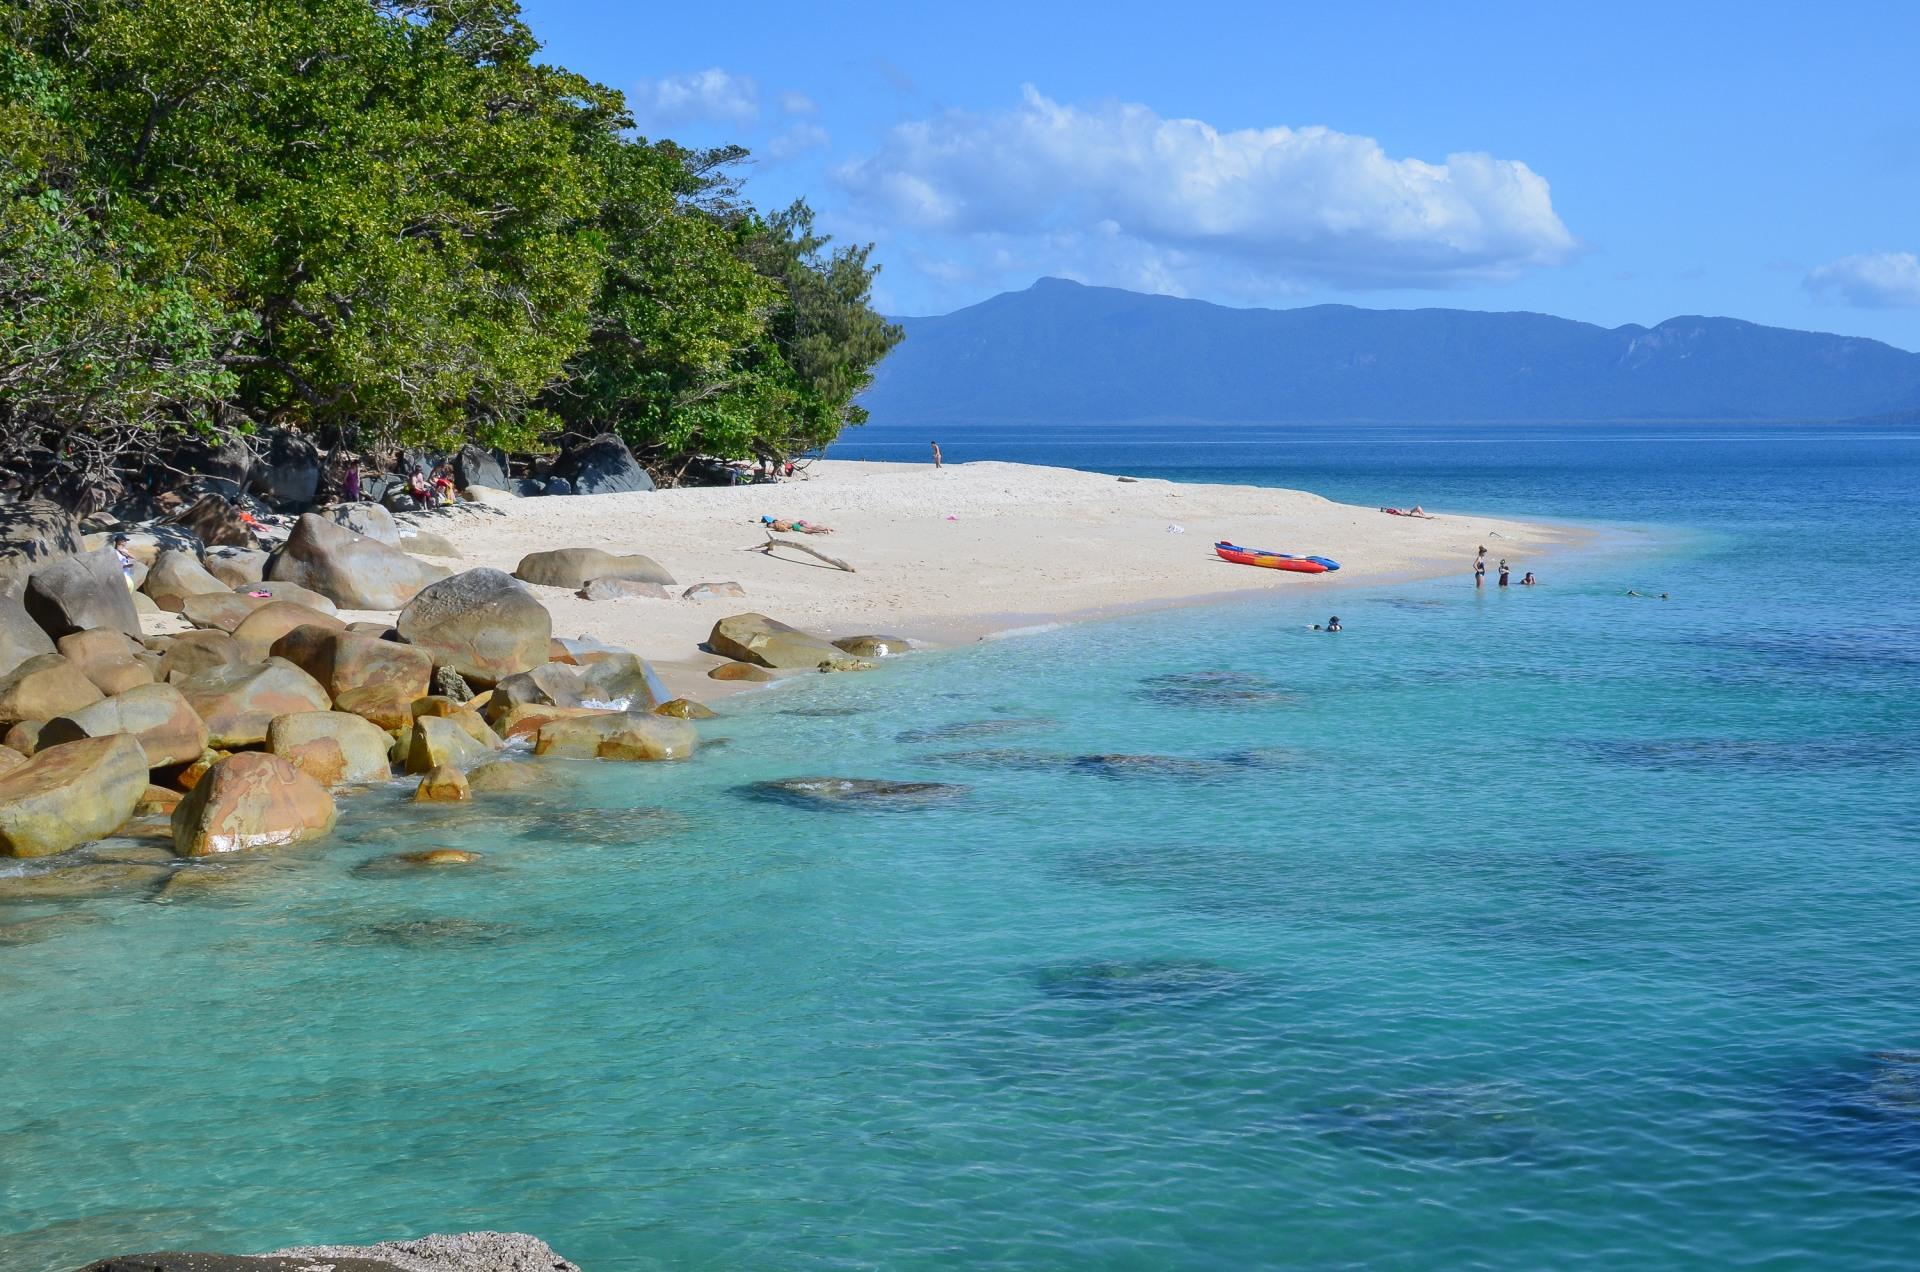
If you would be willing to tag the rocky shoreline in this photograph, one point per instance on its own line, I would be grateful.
(128, 750)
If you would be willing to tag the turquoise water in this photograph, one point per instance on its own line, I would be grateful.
(1543, 928)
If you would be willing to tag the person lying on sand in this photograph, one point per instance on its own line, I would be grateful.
(801, 527)
(1415, 511)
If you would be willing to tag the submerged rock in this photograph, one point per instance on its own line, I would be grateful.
(81, 882)
(413, 863)
(855, 792)
(506, 776)
(418, 932)
(1214, 690)
(972, 729)
(1146, 982)
(1181, 766)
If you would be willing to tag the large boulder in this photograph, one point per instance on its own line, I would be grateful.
(33, 532)
(216, 523)
(191, 653)
(177, 575)
(481, 623)
(66, 795)
(43, 687)
(352, 571)
(602, 466)
(158, 717)
(767, 642)
(281, 590)
(440, 740)
(288, 474)
(20, 637)
(427, 543)
(389, 706)
(473, 466)
(250, 800)
(343, 660)
(239, 703)
(108, 658)
(78, 592)
(623, 682)
(259, 630)
(624, 590)
(237, 567)
(222, 465)
(873, 646)
(368, 520)
(332, 747)
(574, 568)
(625, 735)
(221, 611)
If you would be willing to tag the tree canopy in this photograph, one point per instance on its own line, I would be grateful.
(386, 221)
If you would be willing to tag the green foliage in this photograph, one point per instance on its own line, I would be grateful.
(383, 219)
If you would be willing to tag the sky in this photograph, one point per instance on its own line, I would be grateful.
(1617, 164)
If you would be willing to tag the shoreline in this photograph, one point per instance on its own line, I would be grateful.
(940, 553)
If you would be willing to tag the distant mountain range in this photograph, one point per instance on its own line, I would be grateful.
(1061, 352)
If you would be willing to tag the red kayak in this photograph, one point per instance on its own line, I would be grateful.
(1267, 560)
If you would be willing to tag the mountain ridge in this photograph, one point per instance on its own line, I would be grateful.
(1061, 351)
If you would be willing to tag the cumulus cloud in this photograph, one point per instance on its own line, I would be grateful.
(792, 103)
(1282, 203)
(1870, 280)
(702, 97)
(802, 136)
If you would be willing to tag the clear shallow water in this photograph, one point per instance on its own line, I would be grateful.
(1538, 929)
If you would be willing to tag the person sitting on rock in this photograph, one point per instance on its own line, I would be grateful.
(127, 564)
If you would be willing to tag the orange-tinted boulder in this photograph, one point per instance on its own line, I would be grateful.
(239, 702)
(69, 794)
(250, 800)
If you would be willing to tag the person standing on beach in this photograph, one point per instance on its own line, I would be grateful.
(936, 453)
(350, 484)
(1503, 571)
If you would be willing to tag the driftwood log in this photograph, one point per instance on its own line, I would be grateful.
(774, 542)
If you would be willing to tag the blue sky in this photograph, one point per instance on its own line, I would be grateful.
(1618, 163)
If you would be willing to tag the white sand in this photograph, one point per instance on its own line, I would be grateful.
(954, 554)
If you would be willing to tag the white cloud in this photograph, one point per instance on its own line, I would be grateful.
(1281, 205)
(1870, 280)
(709, 96)
(792, 103)
(802, 136)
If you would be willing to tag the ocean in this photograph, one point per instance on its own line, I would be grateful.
(1508, 929)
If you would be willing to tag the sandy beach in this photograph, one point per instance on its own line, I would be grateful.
(955, 554)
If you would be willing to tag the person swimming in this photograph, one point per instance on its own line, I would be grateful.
(1333, 625)
(1529, 580)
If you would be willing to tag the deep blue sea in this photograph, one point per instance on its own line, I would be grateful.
(1524, 929)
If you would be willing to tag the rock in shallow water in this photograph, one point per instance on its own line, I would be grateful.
(441, 1252)
(854, 792)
